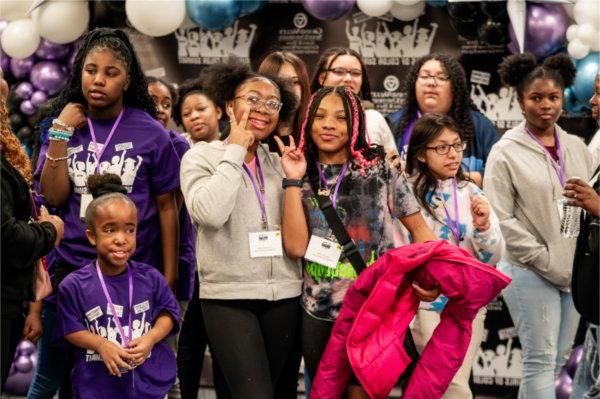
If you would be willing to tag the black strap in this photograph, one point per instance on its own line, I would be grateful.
(340, 232)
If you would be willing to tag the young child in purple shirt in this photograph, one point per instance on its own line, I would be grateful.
(123, 356)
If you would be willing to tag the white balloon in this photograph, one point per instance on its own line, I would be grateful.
(11, 10)
(407, 2)
(20, 38)
(155, 17)
(407, 13)
(587, 34)
(587, 11)
(62, 21)
(374, 8)
(572, 32)
(577, 49)
(569, 9)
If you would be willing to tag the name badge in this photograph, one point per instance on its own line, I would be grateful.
(265, 244)
(85, 202)
(324, 252)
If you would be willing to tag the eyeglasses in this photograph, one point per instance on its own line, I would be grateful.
(271, 105)
(445, 148)
(437, 80)
(341, 72)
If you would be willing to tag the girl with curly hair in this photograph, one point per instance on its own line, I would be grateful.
(249, 288)
(104, 122)
(437, 83)
(23, 241)
(368, 196)
(341, 66)
(525, 176)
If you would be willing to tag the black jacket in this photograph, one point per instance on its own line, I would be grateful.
(22, 242)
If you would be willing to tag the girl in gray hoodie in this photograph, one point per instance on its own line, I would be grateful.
(525, 176)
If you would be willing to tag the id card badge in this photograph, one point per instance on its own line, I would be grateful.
(323, 251)
(569, 219)
(265, 244)
(86, 199)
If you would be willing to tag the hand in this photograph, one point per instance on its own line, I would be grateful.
(480, 212)
(56, 222)
(582, 195)
(424, 295)
(114, 357)
(239, 133)
(32, 330)
(139, 349)
(73, 115)
(394, 160)
(292, 160)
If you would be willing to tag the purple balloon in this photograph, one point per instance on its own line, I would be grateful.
(563, 386)
(546, 26)
(38, 98)
(25, 348)
(23, 364)
(574, 359)
(48, 50)
(20, 68)
(5, 63)
(48, 76)
(27, 107)
(71, 61)
(24, 90)
(17, 382)
(328, 10)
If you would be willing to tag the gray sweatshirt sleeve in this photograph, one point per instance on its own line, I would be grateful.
(210, 188)
(521, 245)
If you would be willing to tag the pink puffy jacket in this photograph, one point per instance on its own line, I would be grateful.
(367, 338)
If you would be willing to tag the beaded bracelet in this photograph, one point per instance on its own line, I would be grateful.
(54, 160)
(60, 123)
(59, 137)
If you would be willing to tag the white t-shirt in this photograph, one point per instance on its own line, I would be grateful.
(378, 130)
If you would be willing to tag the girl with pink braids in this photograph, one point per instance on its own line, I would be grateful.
(367, 195)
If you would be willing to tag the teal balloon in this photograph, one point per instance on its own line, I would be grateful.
(436, 3)
(571, 104)
(251, 6)
(587, 69)
(213, 14)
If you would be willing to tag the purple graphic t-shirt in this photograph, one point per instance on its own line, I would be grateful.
(187, 235)
(141, 152)
(83, 306)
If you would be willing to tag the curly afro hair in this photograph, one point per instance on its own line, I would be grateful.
(220, 82)
(520, 70)
(190, 86)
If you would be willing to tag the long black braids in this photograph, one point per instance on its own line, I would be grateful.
(461, 99)
(119, 44)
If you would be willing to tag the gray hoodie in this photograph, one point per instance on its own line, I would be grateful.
(523, 189)
(223, 205)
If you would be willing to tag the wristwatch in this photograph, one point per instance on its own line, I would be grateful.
(285, 183)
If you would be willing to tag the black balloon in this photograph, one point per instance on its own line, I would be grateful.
(16, 121)
(468, 30)
(494, 33)
(25, 134)
(496, 10)
(464, 12)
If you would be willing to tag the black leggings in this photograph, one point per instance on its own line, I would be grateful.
(251, 340)
(12, 331)
(315, 335)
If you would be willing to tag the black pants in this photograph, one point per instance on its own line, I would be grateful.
(251, 340)
(12, 331)
(315, 335)
(190, 353)
(287, 384)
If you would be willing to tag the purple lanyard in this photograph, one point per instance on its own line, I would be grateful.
(559, 167)
(259, 189)
(338, 182)
(407, 134)
(453, 224)
(126, 339)
(98, 152)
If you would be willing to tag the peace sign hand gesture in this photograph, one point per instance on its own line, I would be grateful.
(239, 133)
(292, 160)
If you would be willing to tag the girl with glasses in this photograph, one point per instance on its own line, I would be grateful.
(249, 288)
(437, 83)
(457, 211)
(340, 66)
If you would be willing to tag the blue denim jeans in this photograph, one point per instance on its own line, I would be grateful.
(51, 361)
(586, 382)
(546, 322)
